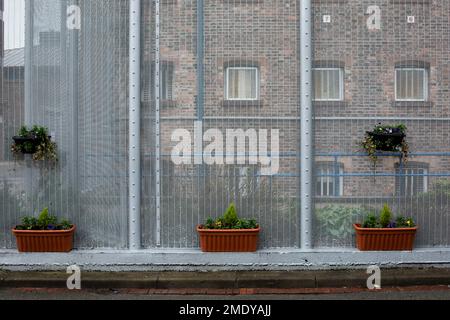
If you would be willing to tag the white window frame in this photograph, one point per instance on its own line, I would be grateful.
(425, 83)
(227, 81)
(341, 83)
(411, 174)
(328, 179)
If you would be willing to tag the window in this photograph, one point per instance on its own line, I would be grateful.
(328, 84)
(166, 81)
(330, 182)
(242, 83)
(166, 84)
(411, 84)
(412, 179)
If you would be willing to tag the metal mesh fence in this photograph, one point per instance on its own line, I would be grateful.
(388, 64)
(226, 66)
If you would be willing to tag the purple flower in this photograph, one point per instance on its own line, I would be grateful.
(51, 227)
(392, 225)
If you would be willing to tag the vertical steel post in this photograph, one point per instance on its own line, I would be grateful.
(198, 152)
(306, 148)
(134, 162)
(28, 117)
(29, 9)
(73, 90)
(200, 64)
(158, 122)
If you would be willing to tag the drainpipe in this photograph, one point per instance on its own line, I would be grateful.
(306, 125)
(134, 157)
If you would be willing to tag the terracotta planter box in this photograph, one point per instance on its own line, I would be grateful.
(44, 240)
(384, 239)
(234, 240)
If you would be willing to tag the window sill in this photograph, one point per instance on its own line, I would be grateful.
(242, 103)
(163, 104)
(168, 104)
(426, 104)
(340, 104)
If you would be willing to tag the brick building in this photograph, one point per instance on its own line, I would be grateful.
(386, 62)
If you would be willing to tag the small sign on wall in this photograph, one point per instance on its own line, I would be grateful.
(326, 18)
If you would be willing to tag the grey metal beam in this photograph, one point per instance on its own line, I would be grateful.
(306, 122)
(158, 122)
(134, 163)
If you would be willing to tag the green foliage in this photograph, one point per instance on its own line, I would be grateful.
(42, 147)
(336, 220)
(384, 220)
(45, 221)
(385, 216)
(403, 222)
(230, 220)
(230, 217)
(371, 221)
(372, 145)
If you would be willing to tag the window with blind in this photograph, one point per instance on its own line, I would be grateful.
(166, 82)
(411, 84)
(329, 179)
(328, 84)
(242, 83)
(412, 179)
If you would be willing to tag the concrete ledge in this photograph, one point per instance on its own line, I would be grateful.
(195, 260)
(229, 280)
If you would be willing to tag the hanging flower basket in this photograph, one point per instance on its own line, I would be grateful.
(35, 141)
(26, 145)
(387, 141)
(386, 138)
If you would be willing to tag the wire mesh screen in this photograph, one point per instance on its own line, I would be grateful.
(73, 82)
(381, 64)
(220, 116)
(222, 67)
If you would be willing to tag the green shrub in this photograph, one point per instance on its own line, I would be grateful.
(371, 221)
(385, 220)
(336, 220)
(385, 216)
(45, 221)
(230, 220)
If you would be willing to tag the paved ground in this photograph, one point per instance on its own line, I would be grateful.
(393, 293)
(233, 281)
(397, 283)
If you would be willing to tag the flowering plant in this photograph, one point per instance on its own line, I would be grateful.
(35, 141)
(386, 138)
(230, 220)
(45, 221)
(384, 220)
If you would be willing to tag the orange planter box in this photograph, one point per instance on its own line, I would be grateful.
(228, 240)
(384, 239)
(44, 240)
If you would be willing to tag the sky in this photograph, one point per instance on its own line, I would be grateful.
(14, 18)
